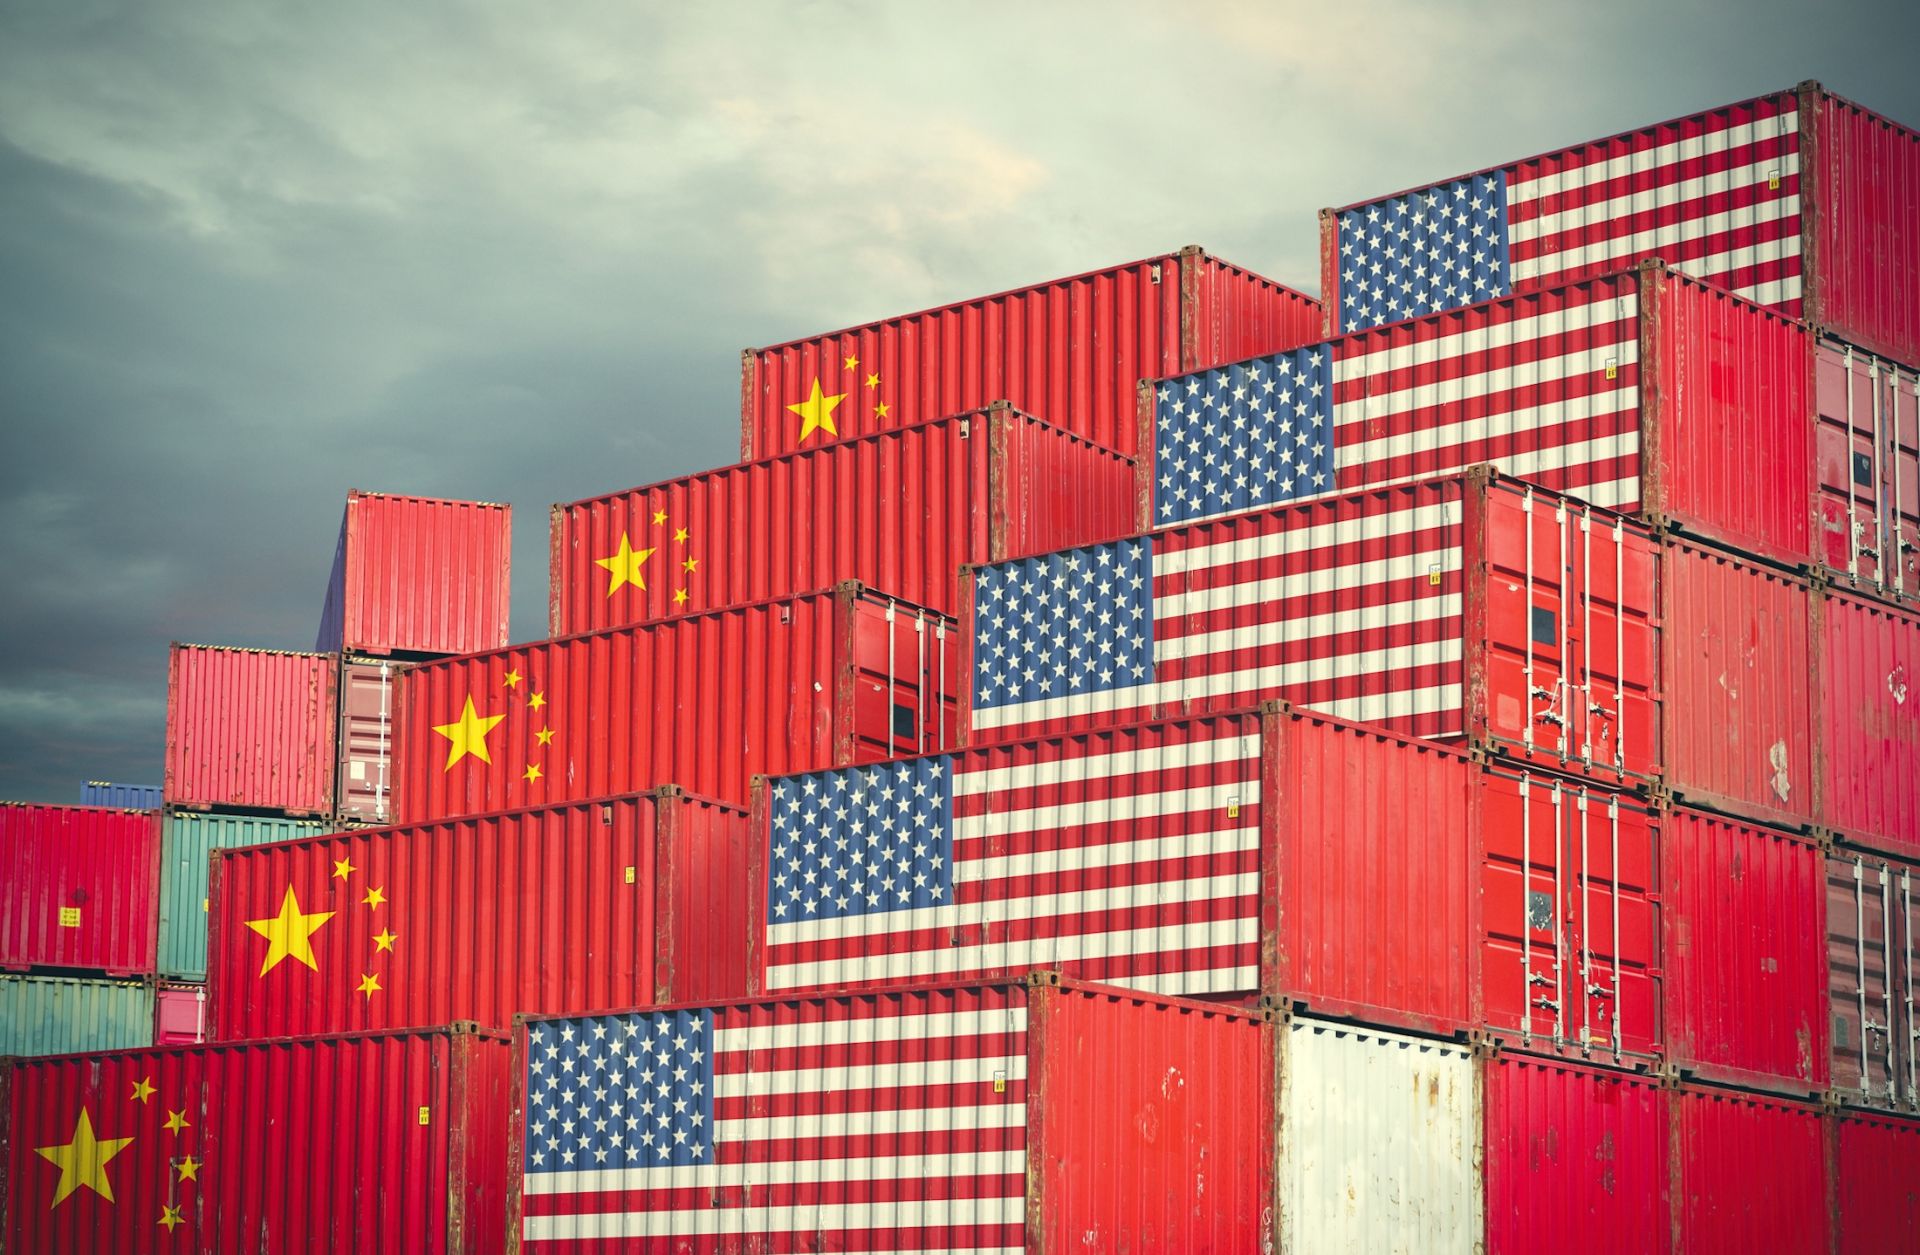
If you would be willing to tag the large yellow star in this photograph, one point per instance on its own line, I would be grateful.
(816, 412)
(288, 933)
(468, 735)
(624, 567)
(83, 1161)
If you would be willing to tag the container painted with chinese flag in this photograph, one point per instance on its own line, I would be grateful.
(1576, 1159)
(179, 1015)
(251, 729)
(1749, 1173)
(899, 510)
(1800, 200)
(620, 901)
(1007, 1117)
(81, 889)
(373, 1143)
(1071, 351)
(706, 701)
(1472, 609)
(1873, 980)
(1743, 911)
(418, 575)
(1868, 512)
(1867, 668)
(1623, 390)
(1876, 1181)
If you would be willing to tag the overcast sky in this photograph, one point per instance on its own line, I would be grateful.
(251, 259)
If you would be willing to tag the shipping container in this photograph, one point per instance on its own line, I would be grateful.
(1070, 350)
(1624, 390)
(376, 1143)
(1749, 1173)
(707, 702)
(1379, 1142)
(1576, 1159)
(1867, 668)
(1873, 967)
(1876, 1183)
(79, 888)
(418, 575)
(250, 729)
(1230, 856)
(56, 1015)
(120, 797)
(1799, 200)
(364, 793)
(1737, 673)
(618, 902)
(899, 510)
(1472, 609)
(179, 1014)
(1743, 911)
(187, 838)
(1868, 514)
(1025, 1117)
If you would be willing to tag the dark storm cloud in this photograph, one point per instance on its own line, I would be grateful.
(253, 258)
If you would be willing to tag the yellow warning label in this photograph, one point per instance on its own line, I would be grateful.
(629, 875)
(423, 1115)
(69, 917)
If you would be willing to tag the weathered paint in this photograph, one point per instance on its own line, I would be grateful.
(187, 838)
(1867, 411)
(1867, 673)
(418, 575)
(1749, 1173)
(79, 888)
(120, 797)
(1873, 979)
(364, 793)
(57, 1015)
(1876, 1182)
(250, 729)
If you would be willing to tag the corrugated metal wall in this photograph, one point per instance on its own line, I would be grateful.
(186, 839)
(56, 1015)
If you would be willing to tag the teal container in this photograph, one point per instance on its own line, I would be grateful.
(186, 839)
(61, 1015)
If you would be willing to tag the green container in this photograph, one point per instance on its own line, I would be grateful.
(61, 1015)
(186, 839)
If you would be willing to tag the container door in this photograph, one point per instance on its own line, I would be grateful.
(1861, 932)
(366, 741)
(1869, 454)
(905, 672)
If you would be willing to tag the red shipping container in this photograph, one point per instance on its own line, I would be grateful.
(899, 510)
(617, 902)
(379, 1144)
(1033, 1117)
(1624, 390)
(250, 729)
(1737, 674)
(706, 702)
(179, 1015)
(1071, 351)
(1873, 973)
(1473, 609)
(1743, 911)
(1576, 1159)
(418, 575)
(1868, 672)
(1800, 200)
(1749, 1174)
(1868, 416)
(81, 889)
(1876, 1182)
(368, 687)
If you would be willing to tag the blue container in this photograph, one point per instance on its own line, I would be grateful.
(120, 797)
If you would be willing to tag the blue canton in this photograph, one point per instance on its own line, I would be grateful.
(1256, 433)
(1077, 621)
(1439, 248)
(861, 841)
(620, 1091)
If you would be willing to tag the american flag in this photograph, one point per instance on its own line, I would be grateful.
(1131, 859)
(1716, 196)
(1545, 389)
(868, 1124)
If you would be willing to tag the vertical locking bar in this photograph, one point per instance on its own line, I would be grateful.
(1853, 519)
(1879, 478)
(1563, 688)
(893, 683)
(1860, 970)
(1886, 986)
(1559, 933)
(1906, 942)
(1620, 645)
(1586, 637)
(384, 790)
(1586, 932)
(1619, 1002)
(1526, 511)
(1896, 548)
(939, 699)
(1526, 919)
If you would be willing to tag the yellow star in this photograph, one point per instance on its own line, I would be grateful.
(343, 868)
(532, 773)
(659, 517)
(170, 1218)
(369, 985)
(375, 898)
(881, 409)
(189, 1169)
(83, 1161)
(873, 381)
(384, 939)
(468, 735)
(624, 567)
(176, 1121)
(679, 596)
(143, 1089)
(816, 412)
(681, 535)
(536, 701)
(288, 933)
(544, 736)
(512, 679)
(852, 363)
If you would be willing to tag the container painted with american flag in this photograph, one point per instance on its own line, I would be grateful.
(1800, 200)
(1624, 390)
(899, 510)
(705, 701)
(1473, 609)
(619, 901)
(1070, 350)
(1022, 1117)
(1868, 517)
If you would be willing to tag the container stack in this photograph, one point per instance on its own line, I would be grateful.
(1140, 762)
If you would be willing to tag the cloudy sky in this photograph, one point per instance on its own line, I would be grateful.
(250, 259)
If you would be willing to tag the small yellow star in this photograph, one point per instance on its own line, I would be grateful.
(384, 939)
(691, 564)
(369, 985)
(343, 868)
(659, 517)
(679, 596)
(852, 363)
(532, 773)
(544, 736)
(513, 679)
(170, 1218)
(881, 409)
(143, 1089)
(816, 412)
(188, 1168)
(376, 898)
(176, 1121)
(681, 535)
(536, 701)
(624, 567)
(83, 1161)
(873, 381)
(468, 735)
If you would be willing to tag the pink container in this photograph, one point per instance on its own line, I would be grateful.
(251, 729)
(81, 889)
(1867, 659)
(179, 1015)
